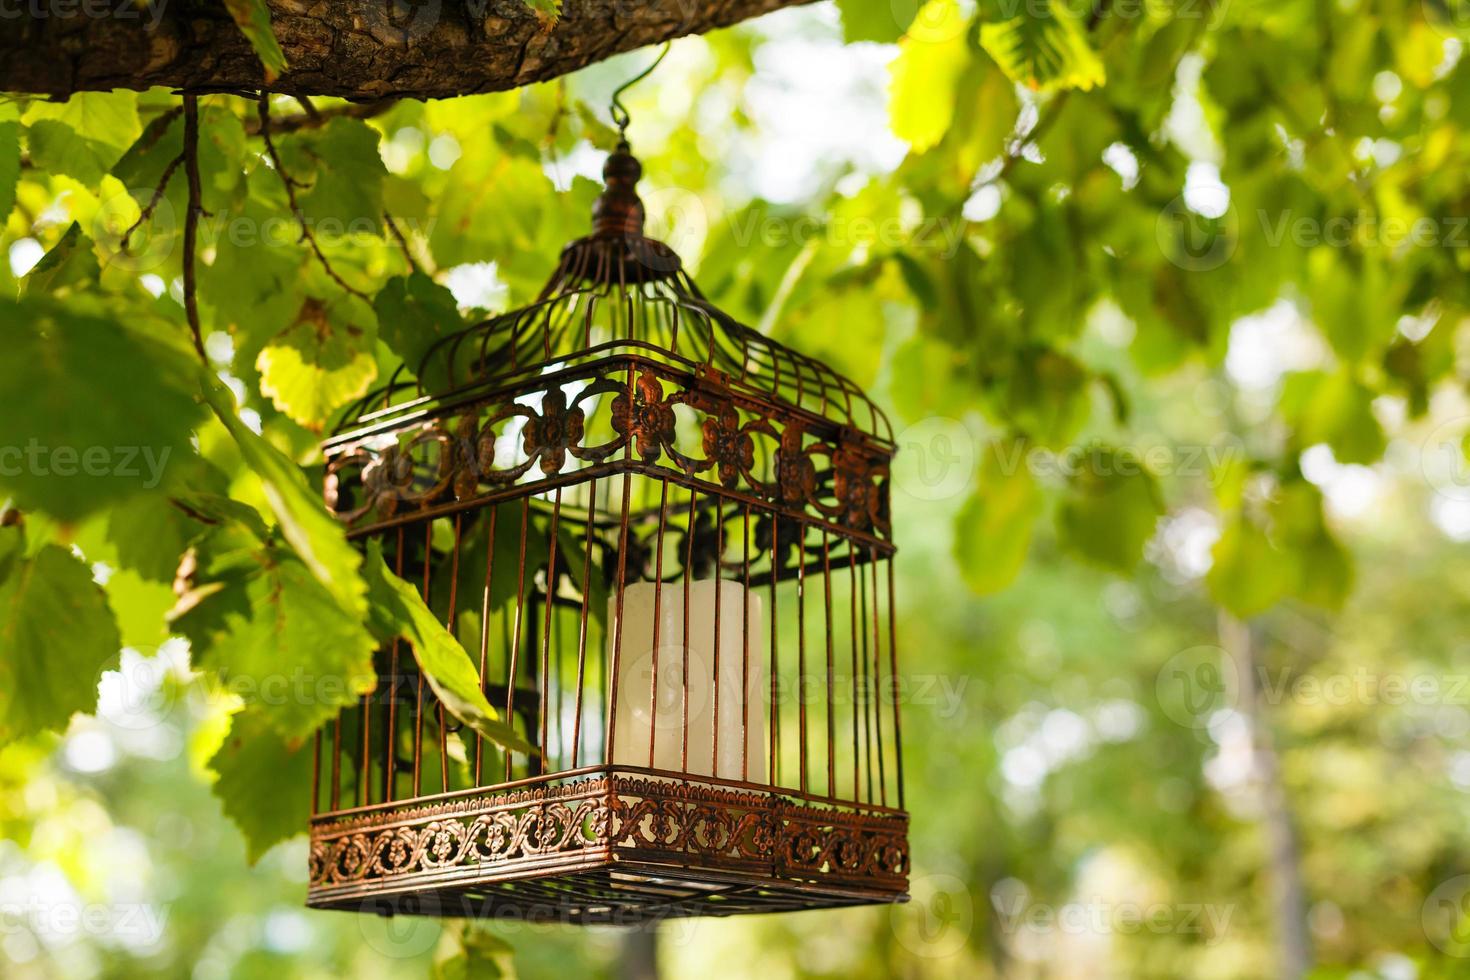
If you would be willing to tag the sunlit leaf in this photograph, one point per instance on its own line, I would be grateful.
(94, 411)
(1043, 47)
(57, 632)
(316, 366)
(399, 611)
(254, 20)
(264, 782)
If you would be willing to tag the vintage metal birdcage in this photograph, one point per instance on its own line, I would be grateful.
(665, 540)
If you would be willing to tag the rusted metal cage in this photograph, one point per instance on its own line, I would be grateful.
(665, 539)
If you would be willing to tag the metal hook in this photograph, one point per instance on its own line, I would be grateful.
(617, 110)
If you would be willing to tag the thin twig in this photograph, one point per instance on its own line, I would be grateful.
(413, 265)
(158, 193)
(191, 221)
(291, 184)
(309, 107)
(308, 120)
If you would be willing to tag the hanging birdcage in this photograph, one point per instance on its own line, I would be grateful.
(665, 540)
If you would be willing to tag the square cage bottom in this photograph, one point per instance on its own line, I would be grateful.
(614, 846)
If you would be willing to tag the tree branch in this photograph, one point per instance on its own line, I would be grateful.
(364, 50)
(191, 220)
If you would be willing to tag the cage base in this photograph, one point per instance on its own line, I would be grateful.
(610, 848)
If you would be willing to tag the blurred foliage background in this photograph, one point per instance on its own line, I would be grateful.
(1167, 300)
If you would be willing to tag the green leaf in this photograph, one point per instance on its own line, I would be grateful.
(141, 608)
(343, 174)
(1324, 571)
(265, 782)
(480, 954)
(546, 11)
(303, 518)
(415, 312)
(280, 641)
(928, 65)
(57, 148)
(883, 21)
(1111, 510)
(1334, 409)
(1044, 47)
(150, 534)
(9, 167)
(399, 611)
(70, 262)
(254, 20)
(57, 633)
(993, 530)
(94, 411)
(1248, 574)
(107, 119)
(316, 366)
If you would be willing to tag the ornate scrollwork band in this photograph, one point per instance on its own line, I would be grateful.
(452, 456)
(503, 832)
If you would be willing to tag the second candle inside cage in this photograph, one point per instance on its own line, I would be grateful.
(668, 698)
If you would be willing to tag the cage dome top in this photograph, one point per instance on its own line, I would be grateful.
(614, 292)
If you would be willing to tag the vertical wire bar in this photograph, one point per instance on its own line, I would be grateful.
(418, 711)
(617, 656)
(745, 651)
(775, 734)
(390, 764)
(481, 744)
(688, 561)
(449, 625)
(546, 626)
(857, 698)
(582, 628)
(336, 794)
(658, 595)
(893, 674)
(316, 774)
(515, 633)
(875, 694)
(362, 792)
(801, 648)
(714, 762)
(831, 722)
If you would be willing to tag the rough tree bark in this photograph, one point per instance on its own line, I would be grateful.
(356, 49)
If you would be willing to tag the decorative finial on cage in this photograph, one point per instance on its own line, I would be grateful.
(618, 210)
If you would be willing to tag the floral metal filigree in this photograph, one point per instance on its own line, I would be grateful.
(645, 418)
(727, 446)
(853, 485)
(796, 475)
(556, 430)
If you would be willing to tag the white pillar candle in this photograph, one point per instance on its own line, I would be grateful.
(643, 711)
